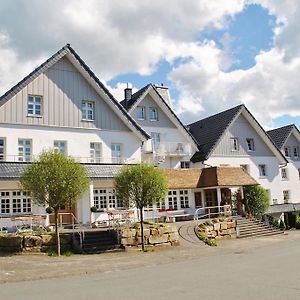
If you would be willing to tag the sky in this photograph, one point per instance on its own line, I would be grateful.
(212, 54)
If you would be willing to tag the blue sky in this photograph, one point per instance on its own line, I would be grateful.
(249, 32)
(212, 54)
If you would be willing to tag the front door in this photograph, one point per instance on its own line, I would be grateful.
(66, 214)
(211, 201)
(198, 199)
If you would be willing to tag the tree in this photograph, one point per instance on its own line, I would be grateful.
(140, 185)
(257, 200)
(55, 180)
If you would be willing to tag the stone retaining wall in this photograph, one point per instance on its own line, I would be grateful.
(33, 243)
(219, 229)
(164, 235)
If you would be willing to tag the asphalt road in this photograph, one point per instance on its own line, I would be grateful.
(269, 271)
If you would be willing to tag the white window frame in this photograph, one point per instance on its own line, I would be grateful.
(23, 154)
(185, 164)
(296, 151)
(35, 106)
(153, 114)
(284, 174)
(172, 199)
(105, 199)
(262, 170)
(60, 146)
(234, 144)
(286, 196)
(116, 154)
(2, 148)
(155, 140)
(184, 199)
(141, 112)
(15, 202)
(250, 144)
(95, 152)
(287, 151)
(88, 110)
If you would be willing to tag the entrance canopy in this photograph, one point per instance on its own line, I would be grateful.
(208, 178)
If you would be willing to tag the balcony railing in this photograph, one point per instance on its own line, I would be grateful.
(167, 148)
(81, 159)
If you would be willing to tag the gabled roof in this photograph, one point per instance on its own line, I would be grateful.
(68, 50)
(208, 177)
(134, 98)
(209, 131)
(280, 135)
(139, 95)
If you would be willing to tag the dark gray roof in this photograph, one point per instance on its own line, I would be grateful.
(51, 61)
(128, 104)
(13, 170)
(280, 208)
(280, 135)
(208, 131)
(136, 96)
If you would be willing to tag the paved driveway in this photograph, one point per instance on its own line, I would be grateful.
(261, 268)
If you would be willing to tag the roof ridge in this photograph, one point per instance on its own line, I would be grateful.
(219, 113)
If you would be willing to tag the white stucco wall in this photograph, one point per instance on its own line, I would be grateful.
(78, 141)
(272, 182)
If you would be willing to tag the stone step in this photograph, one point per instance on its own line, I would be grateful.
(261, 234)
(252, 227)
(101, 249)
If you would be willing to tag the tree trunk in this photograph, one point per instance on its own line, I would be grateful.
(57, 231)
(142, 227)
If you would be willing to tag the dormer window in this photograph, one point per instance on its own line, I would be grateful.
(88, 110)
(287, 151)
(140, 113)
(153, 115)
(34, 106)
(250, 144)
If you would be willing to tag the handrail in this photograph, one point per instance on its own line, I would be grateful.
(225, 210)
(80, 228)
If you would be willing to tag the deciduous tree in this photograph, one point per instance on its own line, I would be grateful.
(140, 185)
(55, 180)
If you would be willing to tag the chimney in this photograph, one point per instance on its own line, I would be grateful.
(127, 94)
(164, 93)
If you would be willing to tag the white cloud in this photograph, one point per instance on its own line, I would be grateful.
(114, 37)
(270, 88)
(117, 37)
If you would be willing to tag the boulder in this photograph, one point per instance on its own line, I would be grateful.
(217, 226)
(32, 241)
(223, 225)
(158, 239)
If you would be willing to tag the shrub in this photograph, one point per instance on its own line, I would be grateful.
(94, 209)
(203, 237)
(297, 223)
(49, 210)
(211, 242)
(257, 200)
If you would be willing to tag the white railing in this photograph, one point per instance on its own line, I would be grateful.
(81, 159)
(168, 148)
(212, 211)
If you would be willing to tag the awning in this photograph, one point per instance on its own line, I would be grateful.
(208, 177)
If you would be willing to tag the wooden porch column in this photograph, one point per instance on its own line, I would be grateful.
(203, 198)
(219, 198)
